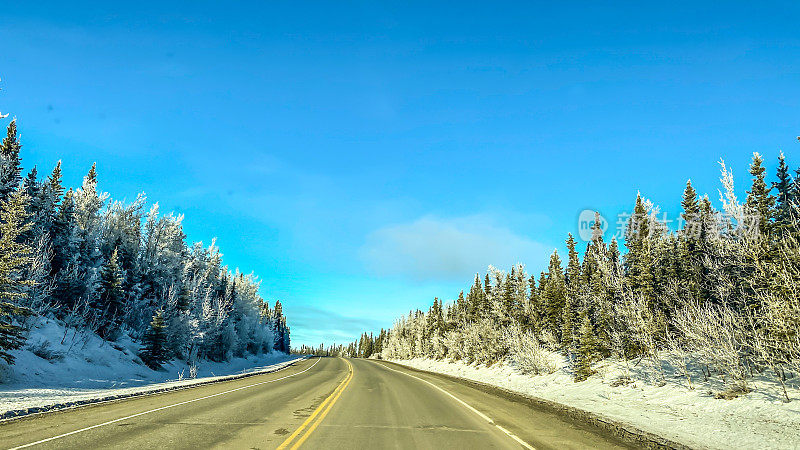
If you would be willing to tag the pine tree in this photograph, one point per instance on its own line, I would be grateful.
(691, 207)
(554, 295)
(573, 289)
(613, 254)
(461, 309)
(532, 317)
(280, 329)
(795, 198)
(506, 307)
(54, 181)
(690, 214)
(31, 188)
(708, 231)
(488, 295)
(30, 185)
(111, 296)
(784, 186)
(760, 202)
(69, 286)
(10, 164)
(154, 351)
(639, 259)
(47, 202)
(690, 256)
(587, 349)
(14, 257)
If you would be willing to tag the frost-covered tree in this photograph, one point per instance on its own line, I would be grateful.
(10, 163)
(107, 267)
(14, 258)
(110, 302)
(718, 292)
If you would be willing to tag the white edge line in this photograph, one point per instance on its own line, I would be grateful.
(466, 405)
(159, 409)
(158, 391)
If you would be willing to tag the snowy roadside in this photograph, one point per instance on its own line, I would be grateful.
(691, 417)
(69, 372)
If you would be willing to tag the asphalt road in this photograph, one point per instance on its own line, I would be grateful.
(319, 403)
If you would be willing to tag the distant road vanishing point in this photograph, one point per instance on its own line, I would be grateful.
(316, 403)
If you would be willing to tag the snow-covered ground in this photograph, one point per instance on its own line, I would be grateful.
(693, 417)
(61, 366)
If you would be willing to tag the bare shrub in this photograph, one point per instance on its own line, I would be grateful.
(527, 354)
(715, 335)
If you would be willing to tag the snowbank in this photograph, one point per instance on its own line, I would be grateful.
(61, 367)
(692, 417)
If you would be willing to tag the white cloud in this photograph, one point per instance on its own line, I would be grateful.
(432, 248)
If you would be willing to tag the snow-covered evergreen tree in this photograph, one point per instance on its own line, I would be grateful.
(105, 266)
(14, 258)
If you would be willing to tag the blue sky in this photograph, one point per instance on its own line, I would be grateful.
(363, 158)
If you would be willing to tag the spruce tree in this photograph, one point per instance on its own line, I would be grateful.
(14, 257)
(613, 254)
(461, 309)
(795, 197)
(587, 349)
(760, 203)
(573, 289)
(555, 295)
(532, 313)
(54, 181)
(64, 264)
(639, 259)
(10, 165)
(488, 295)
(690, 214)
(47, 199)
(31, 188)
(111, 296)
(154, 351)
(784, 186)
(475, 300)
(708, 231)
(691, 207)
(689, 260)
(507, 305)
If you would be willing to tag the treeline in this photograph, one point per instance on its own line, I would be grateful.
(116, 268)
(322, 350)
(719, 294)
(367, 346)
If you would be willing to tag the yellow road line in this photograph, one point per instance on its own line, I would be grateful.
(321, 411)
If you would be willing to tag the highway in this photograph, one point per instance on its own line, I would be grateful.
(317, 403)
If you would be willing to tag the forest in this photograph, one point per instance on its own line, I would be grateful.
(107, 267)
(718, 293)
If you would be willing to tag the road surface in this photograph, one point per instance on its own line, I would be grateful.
(317, 403)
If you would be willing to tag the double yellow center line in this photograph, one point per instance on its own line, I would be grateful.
(316, 417)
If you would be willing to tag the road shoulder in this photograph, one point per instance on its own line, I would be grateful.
(625, 432)
(112, 395)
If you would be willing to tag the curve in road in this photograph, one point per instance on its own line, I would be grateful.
(329, 403)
